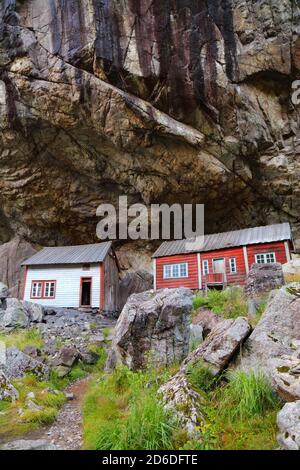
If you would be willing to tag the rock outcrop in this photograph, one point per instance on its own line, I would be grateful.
(169, 102)
(276, 333)
(179, 397)
(207, 320)
(7, 390)
(14, 315)
(220, 345)
(18, 364)
(153, 326)
(288, 422)
(133, 283)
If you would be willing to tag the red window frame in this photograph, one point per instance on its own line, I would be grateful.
(43, 289)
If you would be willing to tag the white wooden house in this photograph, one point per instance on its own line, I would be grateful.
(83, 276)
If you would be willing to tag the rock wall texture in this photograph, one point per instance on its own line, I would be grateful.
(165, 101)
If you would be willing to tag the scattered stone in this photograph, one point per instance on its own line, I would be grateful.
(15, 315)
(4, 292)
(180, 398)
(88, 357)
(263, 278)
(31, 395)
(35, 312)
(32, 351)
(61, 371)
(7, 390)
(153, 326)
(69, 395)
(38, 444)
(288, 422)
(32, 406)
(207, 319)
(67, 357)
(18, 364)
(221, 344)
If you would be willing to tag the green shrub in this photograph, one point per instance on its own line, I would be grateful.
(229, 303)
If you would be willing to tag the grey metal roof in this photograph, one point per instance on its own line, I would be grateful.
(93, 253)
(248, 236)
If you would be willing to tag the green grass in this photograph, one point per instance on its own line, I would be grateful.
(229, 303)
(22, 338)
(241, 415)
(121, 412)
(200, 376)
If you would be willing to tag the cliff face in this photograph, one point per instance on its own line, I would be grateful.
(165, 101)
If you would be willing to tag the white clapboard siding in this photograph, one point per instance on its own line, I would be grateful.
(67, 279)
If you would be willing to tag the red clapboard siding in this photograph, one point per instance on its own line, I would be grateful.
(191, 281)
(277, 247)
(237, 253)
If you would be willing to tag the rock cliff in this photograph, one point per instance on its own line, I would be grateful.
(165, 101)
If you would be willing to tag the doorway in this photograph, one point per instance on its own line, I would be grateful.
(219, 265)
(86, 292)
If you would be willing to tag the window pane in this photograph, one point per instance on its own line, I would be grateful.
(52, 289)
(175, 270)
(270, 258)
(34, 290)
(46, 292)
(183, 270)
(167, 271)
(39, 289)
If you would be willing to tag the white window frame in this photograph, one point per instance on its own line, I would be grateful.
(264, 256)
(49, 283)
(174, 271)
(36, 283)
(205, 267)
(232, 265)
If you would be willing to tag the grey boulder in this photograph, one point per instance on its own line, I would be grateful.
(34, 311)
(275, 334)
(263, 278)
(288, 422)
(66, 357)
(18, 364)
(153, 326)
(22, 444)
(4, 293)
(220, 345)
(14, 316)
(7, 390)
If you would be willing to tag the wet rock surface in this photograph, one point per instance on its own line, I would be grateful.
(181, 95)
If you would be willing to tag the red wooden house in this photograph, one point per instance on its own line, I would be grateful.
(224, 259)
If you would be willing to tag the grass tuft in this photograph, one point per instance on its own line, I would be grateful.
(230, 303)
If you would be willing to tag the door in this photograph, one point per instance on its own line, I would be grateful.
(219, 265)
(86, 292)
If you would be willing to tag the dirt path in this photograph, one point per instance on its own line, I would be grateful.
(66, 431)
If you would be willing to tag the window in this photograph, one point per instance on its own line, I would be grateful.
(43, 289)
(36, 290)
(265, 258)
(232, 265)
(205, 267)
(175, 271)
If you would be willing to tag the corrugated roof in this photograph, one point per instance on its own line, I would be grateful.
(93, 253)
(217, 241)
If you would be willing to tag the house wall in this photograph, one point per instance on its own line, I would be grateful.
(278, 248)
(192, 280)
(67, 284)
(237, 253)
(111, 297)
(237, 278)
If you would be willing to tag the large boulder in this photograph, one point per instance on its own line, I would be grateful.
(4, 293)
(14, 316)
(66, 357)
(220, 345)
(276, 333)
(263, 278)
(7, 390)
(285, 374)
(288, 422)
(178, 396)
(153, 326)
(35, 312)
(134, 283)
(17, 364)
